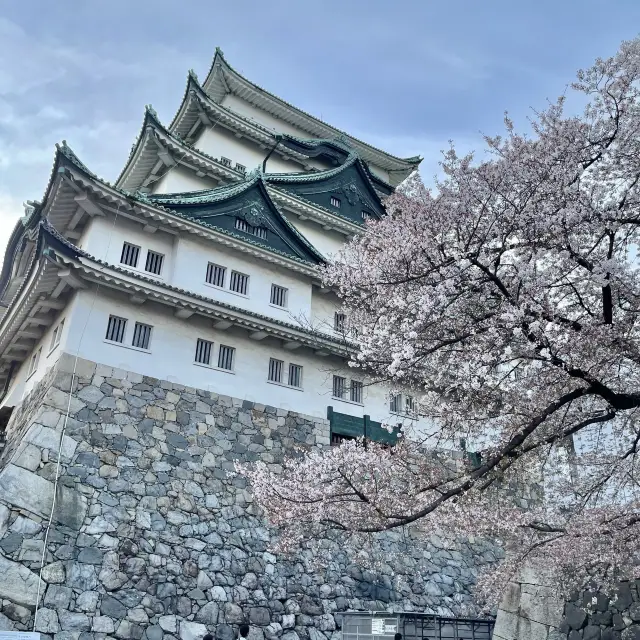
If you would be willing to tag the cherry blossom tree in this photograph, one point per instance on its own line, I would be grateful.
(509, 299)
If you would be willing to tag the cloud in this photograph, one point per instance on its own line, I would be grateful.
(11, 210)
(27, 63)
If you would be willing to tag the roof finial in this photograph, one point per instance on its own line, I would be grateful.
(149, 109)
(219, 52)
(193, 74)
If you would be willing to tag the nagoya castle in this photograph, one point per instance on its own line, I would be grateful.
(157, 328)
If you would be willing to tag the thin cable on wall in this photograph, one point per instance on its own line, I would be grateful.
(64, 425)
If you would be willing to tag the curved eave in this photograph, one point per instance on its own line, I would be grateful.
(157, 150)
(198, 109)
(223, 78)
(33, 297)
(136, 207)
(195, 159)
(95, 270)
(28, 223)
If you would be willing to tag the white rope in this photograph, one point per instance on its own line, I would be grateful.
(64, 427)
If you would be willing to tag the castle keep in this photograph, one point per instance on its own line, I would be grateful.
(157, 329)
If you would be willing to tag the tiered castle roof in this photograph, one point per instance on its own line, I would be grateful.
(42, 263)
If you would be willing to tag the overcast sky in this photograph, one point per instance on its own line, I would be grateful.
(407, 75)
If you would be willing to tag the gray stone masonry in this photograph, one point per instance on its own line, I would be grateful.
(531, 610)
(153, 539)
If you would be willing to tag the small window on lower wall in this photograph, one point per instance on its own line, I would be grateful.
(239, 282)
(226, 357)
(154, 262)
(33, 364)
(56, 336)
(295, 375)
(141, 336)
(116, 328)
(339, 386)
(337, 439)
(279, 295)
(275, 370)
(203, 352)
(356, 391)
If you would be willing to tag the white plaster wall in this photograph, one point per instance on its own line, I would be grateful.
(179, 179)
(222, 142)
(193, 255)
(323, 308)
(328, 243)
(268, 120)
(185, 266)
(104, 240)
(172, 350)
(248, 110)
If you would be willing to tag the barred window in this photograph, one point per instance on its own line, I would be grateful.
(35, 360)
(154, 262)
(141, 335)
(241, 168)
(225, 161)
(275, 370)
(366, 215)
(57, 335)
(337, 439)
(279, 295)
(339, 320)
(356, 391)
(394, 404)
(216, 274)
(295, 375)
(239, 282)
(203, 351)
(339, 385)
(409, 404)
(242, 225)
(116, 328)
(225, 357)
(335, 202)
(130, 254)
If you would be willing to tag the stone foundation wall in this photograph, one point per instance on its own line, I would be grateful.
(531, 610)
(152, 539)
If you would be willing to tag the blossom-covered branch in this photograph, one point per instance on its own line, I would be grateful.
(509, 298)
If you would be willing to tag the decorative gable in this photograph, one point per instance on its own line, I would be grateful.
(346, 192)
(245, 211)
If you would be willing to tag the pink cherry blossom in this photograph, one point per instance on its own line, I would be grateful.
(508, 298)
